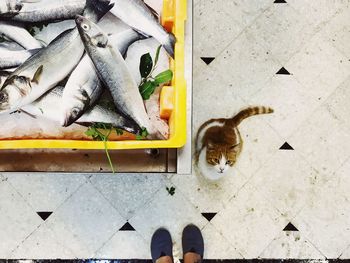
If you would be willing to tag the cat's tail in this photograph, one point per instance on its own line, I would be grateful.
(247, 112)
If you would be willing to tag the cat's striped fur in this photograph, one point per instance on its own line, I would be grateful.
(222, 139)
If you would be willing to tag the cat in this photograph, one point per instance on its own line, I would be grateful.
(218, 142)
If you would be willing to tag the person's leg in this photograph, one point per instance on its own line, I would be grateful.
(192, 244)
(162, 246)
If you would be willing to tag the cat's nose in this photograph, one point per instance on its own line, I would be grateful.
(222, 170)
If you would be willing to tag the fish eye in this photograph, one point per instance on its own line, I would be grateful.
(85, 26)
(3, 97)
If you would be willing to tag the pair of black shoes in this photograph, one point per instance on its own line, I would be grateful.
(162, 245)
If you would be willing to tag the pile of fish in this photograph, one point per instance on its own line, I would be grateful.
(66, 76)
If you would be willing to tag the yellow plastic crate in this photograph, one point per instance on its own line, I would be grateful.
(173, 19)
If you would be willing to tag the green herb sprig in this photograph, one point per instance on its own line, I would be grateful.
(148, 83)
(95, 132)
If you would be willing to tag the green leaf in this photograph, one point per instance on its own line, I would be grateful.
(146, 65)
(119, 131)
(163, 77)
(157, 55)
(147, 89)
(171, 190)
(143, 134)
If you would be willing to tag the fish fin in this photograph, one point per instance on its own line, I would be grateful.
(29, 114)
(37, 74)
(142, 33)
(169, 45)
(154, 12)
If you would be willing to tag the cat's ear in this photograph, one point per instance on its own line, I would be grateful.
(234, 147)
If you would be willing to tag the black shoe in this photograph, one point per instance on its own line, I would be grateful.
(161, 244)
(192, 240)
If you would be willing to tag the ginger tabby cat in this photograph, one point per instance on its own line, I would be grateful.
(222, 142)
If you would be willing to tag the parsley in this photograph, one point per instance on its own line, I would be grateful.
(142, 135)
(148, 83)
(171, 190)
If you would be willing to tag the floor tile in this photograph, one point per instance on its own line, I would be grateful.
(319, 67)
(125, 245)
(322, 141)
(45, 192)
(290, 103)
(209, 196)
(17, 219)
(345, 254)
(260, 142)
(282, 31)
(40, 244)
(139, 188)
(173, 212)
(245, 65)
(214, 26)
(325, 219)
(249, 222)
(85, 221)
(291, 245)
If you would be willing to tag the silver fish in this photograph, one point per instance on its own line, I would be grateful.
(114, 73)
(3, 76)
(14, 58)
(11, 45)
(49, 10)
(16, 32)
(46, 107)
(83, 87)
(139, 16)
(45, 69)
(10, 7)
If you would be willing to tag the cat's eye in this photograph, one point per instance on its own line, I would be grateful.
(216, 160)
(228, 162)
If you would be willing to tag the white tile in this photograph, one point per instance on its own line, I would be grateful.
(288, 99)
(216, 246)
(214, 26)
(274, 28)
(128, 192)
(45, 192)
(291, 245)
(260, 142)
(325, 219)
(173, 212)
(318, 12)
(41, 244)
(249, 222)
(319, 67)
(85, 221)
(206, 195)
(245, 65)
(288, 182)
(125, 245)
(345, 254)
(338, 103)
(17, 219)
(337, 31)
(323, 141)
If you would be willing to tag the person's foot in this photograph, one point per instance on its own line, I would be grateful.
(192, 244)
(162, 246)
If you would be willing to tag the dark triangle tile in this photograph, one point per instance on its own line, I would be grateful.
(283, 71)
(290, 227)
(280, 2)
(286, 146)
(209, 216)
(127, 227)
(44, 215)
(207, 60)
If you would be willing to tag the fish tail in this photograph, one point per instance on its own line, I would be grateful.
(96, 9)
(169, 44)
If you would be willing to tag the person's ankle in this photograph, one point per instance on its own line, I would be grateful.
(164, 259)
(192, 257)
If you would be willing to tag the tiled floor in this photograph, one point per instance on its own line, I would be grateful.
(246, 213)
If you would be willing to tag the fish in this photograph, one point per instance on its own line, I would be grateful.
(114, 73)
(83, 87)
(139, 16)
(14, 58)
(3, 76)
(46, 107)
(50, 65)
(47, 10)
(11, 45)
(10, 7)
(19, 34)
